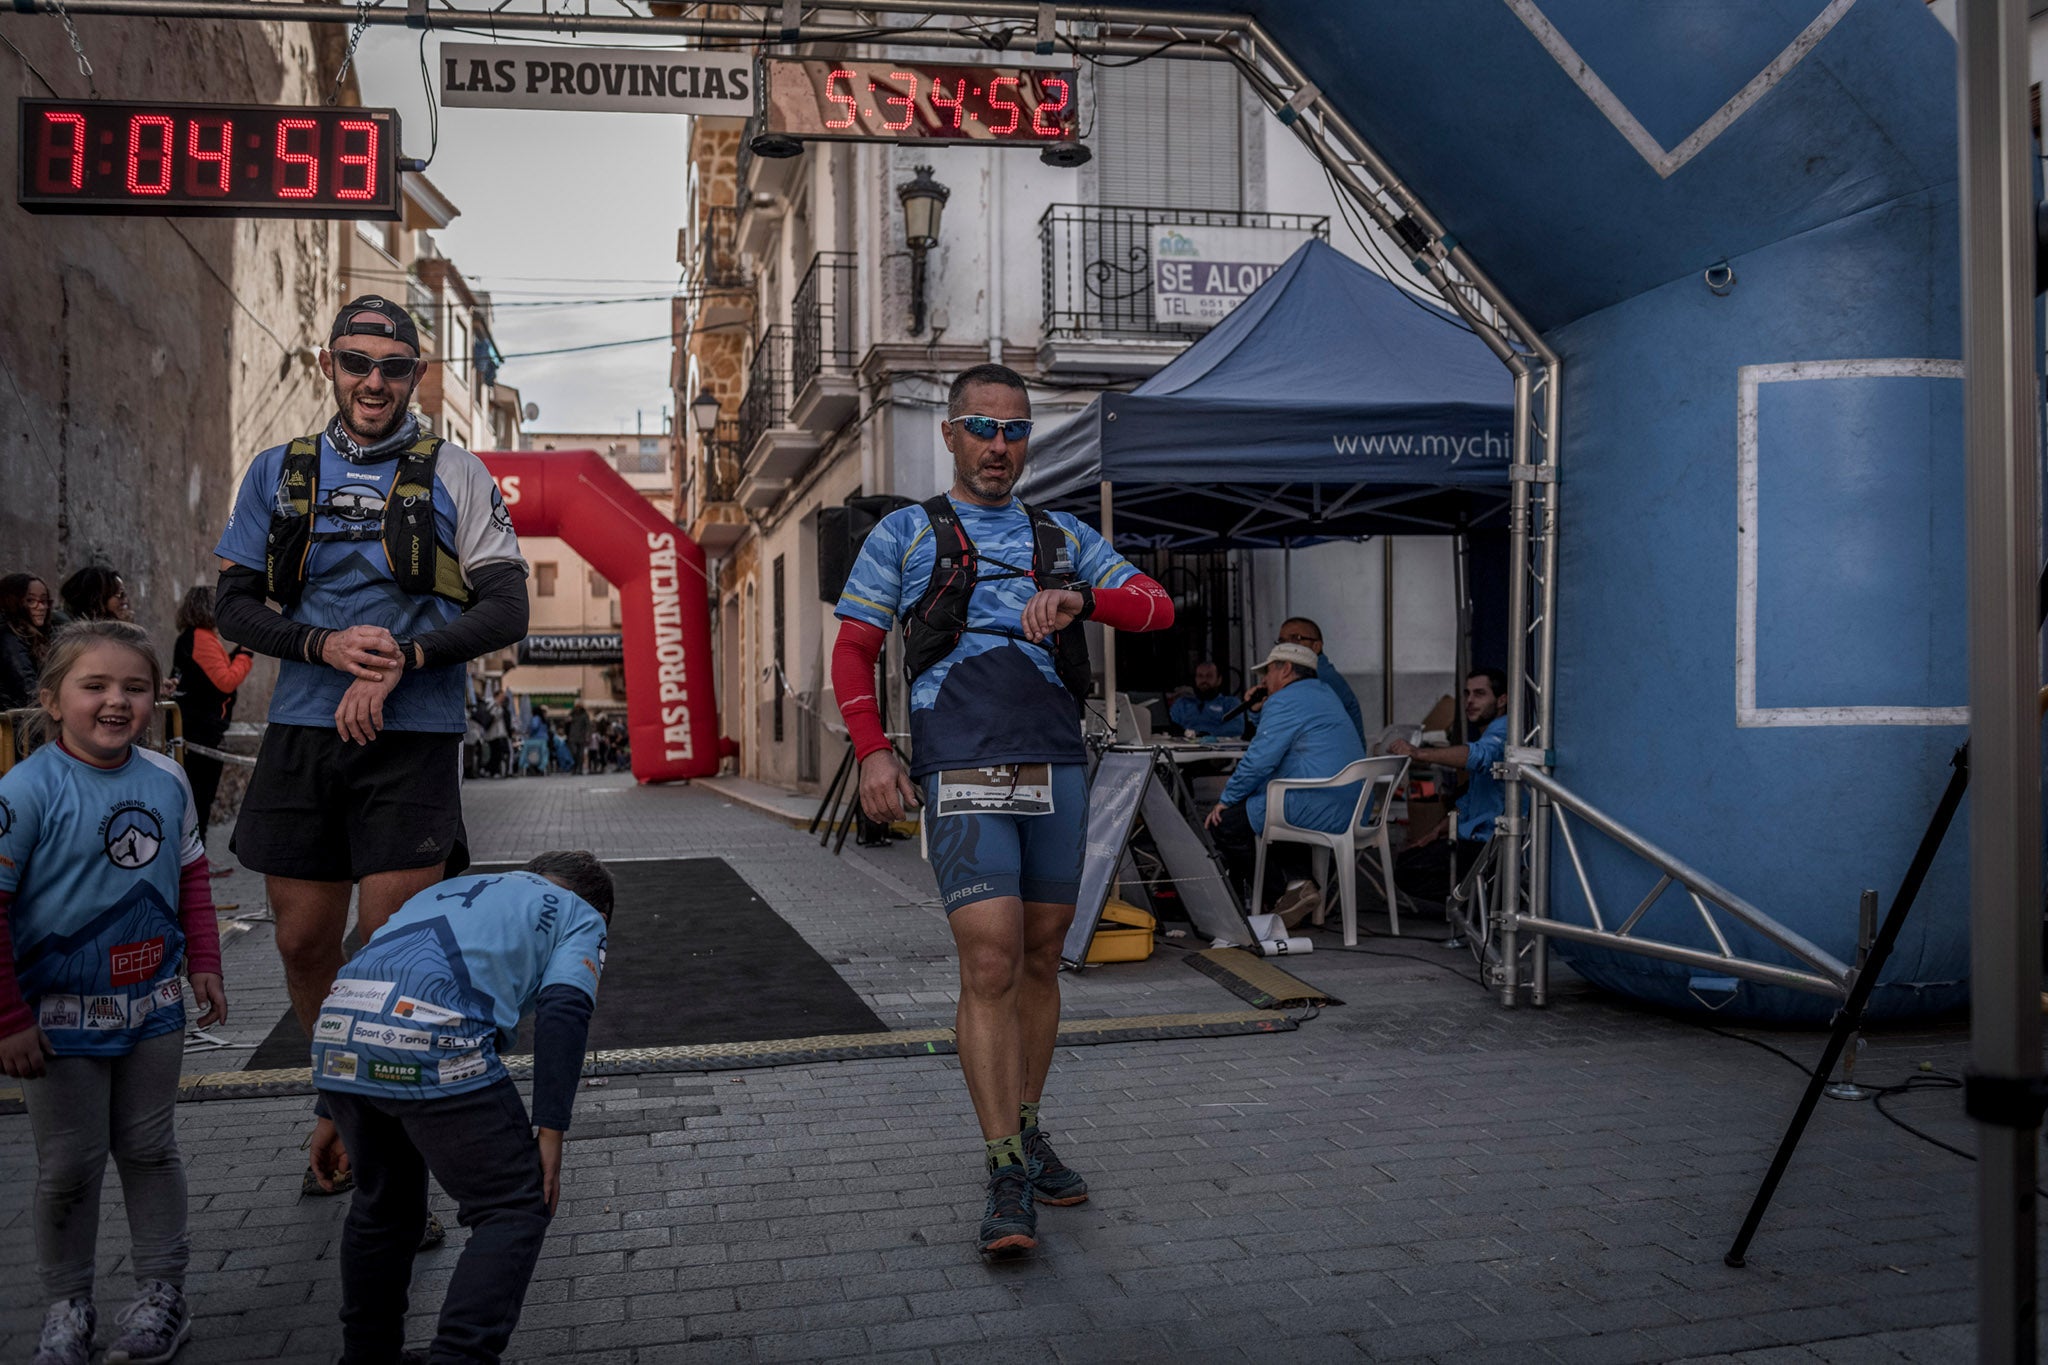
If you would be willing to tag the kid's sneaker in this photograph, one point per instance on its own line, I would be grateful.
(67, 1333)
(153, 1327)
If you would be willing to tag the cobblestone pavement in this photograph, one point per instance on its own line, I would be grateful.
(1415, 1175)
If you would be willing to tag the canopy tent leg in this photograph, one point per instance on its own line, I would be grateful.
(1461, 578)
(1386, 630)
(1108, 635)
(2001, 501)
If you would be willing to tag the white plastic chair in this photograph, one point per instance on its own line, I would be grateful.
(1381, 778)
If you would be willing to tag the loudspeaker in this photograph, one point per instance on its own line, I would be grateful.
(842, 531)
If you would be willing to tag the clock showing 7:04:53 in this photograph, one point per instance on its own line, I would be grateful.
(920, 102)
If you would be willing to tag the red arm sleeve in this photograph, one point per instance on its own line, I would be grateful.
(14, 1011)
(224, 673)
(195, 914)
(853, 683)
(1141, 604)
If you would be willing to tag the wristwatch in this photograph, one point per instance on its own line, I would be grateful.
(406, 662)
(1087, 591)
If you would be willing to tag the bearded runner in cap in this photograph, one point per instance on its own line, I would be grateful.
(374, 561)
(990, 594)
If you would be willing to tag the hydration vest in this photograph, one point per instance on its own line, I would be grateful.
(419, 562)
(933, 626)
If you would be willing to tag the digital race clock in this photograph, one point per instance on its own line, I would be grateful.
(208, 160)
(884, 101)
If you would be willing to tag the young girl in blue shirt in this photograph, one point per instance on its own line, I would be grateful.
(103, 895)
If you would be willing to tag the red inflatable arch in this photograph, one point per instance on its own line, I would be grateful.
(671, 710)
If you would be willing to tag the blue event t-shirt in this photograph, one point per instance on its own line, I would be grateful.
(993, 699)
(424, 1009)
(93, 857)
(349, 583)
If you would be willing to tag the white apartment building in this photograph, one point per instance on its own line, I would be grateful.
(798, 319)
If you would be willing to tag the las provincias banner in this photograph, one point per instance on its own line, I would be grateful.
(603, 79)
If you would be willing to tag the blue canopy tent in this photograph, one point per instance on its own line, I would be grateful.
(1331, 403)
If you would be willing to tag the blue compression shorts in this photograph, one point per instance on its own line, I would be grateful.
(1035, 857)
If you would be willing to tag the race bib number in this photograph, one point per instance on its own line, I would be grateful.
(1003, 789)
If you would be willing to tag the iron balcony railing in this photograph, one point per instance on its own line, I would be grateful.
(722, 454)
(823, 313)
(1098, 263)
(718, 264)
(766, 404)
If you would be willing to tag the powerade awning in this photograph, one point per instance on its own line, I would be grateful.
(1331, 403)
(599, 648)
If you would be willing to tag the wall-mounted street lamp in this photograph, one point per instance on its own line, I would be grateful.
(924, 201)
(704, 408)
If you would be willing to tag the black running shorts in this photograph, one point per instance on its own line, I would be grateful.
(322, 809)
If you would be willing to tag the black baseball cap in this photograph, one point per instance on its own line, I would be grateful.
(373, 315)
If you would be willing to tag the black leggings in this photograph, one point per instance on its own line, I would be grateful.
(204, 775)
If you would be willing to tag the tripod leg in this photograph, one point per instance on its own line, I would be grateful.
(832, 792)
(1851, 1016)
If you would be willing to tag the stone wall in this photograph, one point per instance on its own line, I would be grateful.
(145, 361)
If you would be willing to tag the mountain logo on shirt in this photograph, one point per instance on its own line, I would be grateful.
(6, 817)
(132, 834)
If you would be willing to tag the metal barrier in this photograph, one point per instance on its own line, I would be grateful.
(1481, 909)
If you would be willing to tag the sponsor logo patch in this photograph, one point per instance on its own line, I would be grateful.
(452, 1044)
(350, 994)
(140, 1008)
(420, 1012)
(332, 1028)
(462, 1068)
(169, 993)
(6, 817)
(402, 1073)
(339, 1066)
(370, 1033)
(60, 1011)
(106, 1011)
(130, 963)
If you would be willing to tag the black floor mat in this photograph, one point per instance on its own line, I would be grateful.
(695, 956)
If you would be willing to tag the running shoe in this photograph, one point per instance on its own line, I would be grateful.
(154, 1327)
(433, 1234)
(67, 1333)
(1052, 1180)
(310, 1187)
(1009, 1225)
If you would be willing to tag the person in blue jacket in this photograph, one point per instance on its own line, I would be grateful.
(406, 1056)
(1304, 732)
(1424, 867)
(1299, 630)
(1200, 710)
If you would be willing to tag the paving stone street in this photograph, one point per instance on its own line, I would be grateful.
(1416, 1174)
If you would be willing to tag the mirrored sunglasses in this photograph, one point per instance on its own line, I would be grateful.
(985, 428)
(396, 368)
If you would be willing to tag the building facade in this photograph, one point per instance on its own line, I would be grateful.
(145, 361)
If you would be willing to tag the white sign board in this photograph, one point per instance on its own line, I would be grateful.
(612, 79)
(1201, 274)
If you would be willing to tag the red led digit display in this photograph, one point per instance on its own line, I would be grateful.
(208, 160)
(917, 102)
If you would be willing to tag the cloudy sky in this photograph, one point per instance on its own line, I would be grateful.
(558, 210)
